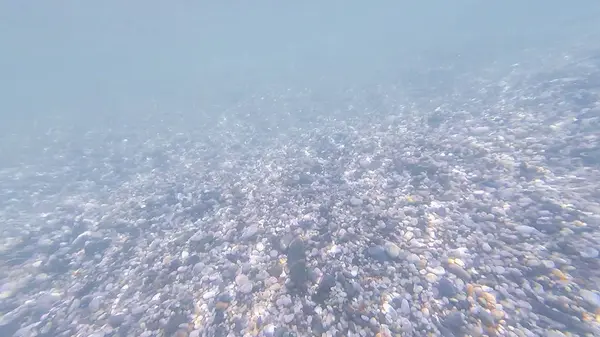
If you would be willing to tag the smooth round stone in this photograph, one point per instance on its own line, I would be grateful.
(431, 277)
(486, 247)
(548, 264)
(392, 249)
(413, 258)
(589, 253)
(439, 270)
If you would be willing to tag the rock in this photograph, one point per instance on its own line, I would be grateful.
(209, 294)
(392, 250)
(526, 230)
(591, 297)
(377, 253)
(439, 270)
(459, 271)
(275, 270)
(480, 130)
(354, 201)
(244, 284)
(246, 288)
(250, 232)
(446, 288)
(454, 321)
(589, 253)
(413, 258)
(96, 247)
(288, 318)
(296, 250)
(431, 277)
(116, 320)
(405, 307)
(326, 283)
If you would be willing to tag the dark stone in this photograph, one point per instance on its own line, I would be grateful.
(455, 322)
(446, 288)
(219, 317)
(116, 320)
(317, 326)
(275, 270)
(296, 250)
(203, 243)
(281, 332)
(57, 265)
(306, 224)
(210, 195)
(377, 253)
(9, 323)
(192, 260)
(85, 289)
(298, 276)
(324, 288)
(173, 323)
(96, 247)
(174, 264)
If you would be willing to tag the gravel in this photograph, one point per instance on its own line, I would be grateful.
(475, 212)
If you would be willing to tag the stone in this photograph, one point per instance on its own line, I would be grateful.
(459, 271)
(377, 253)
(392, 250)
(354, 201)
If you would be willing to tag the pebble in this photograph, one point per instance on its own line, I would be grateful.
(439, 270)
(209, 294)
(405, 307)
(589, 253)
(354, 201)
(287, 319)
(413, 258)
(244, 284)
(459, 271)
(378, 253)
(526, 230)
(392, 250)
(446, 288)
(591, 297)
(431, 278)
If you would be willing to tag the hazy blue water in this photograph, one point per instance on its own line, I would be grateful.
(89, 60)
